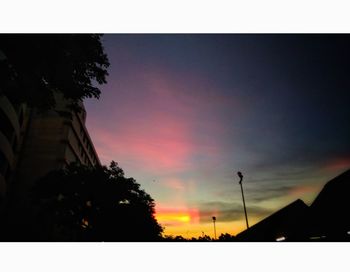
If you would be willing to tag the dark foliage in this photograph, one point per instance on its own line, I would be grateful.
(33, 67)
(204, 238)
(98, 204)
(227, 237)
(170, 238)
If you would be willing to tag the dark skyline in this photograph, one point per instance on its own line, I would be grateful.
(183, 113)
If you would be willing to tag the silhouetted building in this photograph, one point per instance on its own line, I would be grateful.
(33, 143)
(54, 139)
(331, 208)
(13, 120)
(289, 223)
(327, 219)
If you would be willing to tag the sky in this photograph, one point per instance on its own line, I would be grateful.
(183, 113)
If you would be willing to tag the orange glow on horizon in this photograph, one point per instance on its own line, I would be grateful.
(196, 230)
(188, 229)
(170, 217)
(173, 217)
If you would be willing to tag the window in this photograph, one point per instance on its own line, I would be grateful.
(14, 144)
(21, 118)
(70, 155)
(8, 173)
(3, 164)
(6, 127)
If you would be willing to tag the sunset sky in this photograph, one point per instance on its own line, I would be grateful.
(183, 113)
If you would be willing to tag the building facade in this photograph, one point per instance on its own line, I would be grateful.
(54, 139)
(12, 127)
(33, 143)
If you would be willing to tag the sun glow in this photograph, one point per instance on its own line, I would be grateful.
(174, 217)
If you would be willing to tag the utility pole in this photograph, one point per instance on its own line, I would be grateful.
(214, 219)
(245, 210)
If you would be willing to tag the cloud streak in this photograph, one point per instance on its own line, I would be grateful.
(229, 211)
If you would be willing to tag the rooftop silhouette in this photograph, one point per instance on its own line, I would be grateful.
(325, 219)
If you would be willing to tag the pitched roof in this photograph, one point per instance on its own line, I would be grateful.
(287, 222)
(331, 207)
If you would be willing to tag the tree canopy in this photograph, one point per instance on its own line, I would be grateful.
(33, 67)
(226, 237)
(94, 204)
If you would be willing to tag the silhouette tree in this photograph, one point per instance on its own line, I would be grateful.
(93, 204)
(204, 238)
(227, 237)
(33, 67)
(170, 238)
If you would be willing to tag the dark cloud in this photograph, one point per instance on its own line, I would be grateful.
(229, 211)
(295, 161)
(262, 193)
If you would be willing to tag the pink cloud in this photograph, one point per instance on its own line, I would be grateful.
(164, 127)
(299, 191)
(175, 184)
(338, 164)
(166, 145)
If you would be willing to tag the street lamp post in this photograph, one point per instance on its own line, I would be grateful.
(245, 210)
(214, 219)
